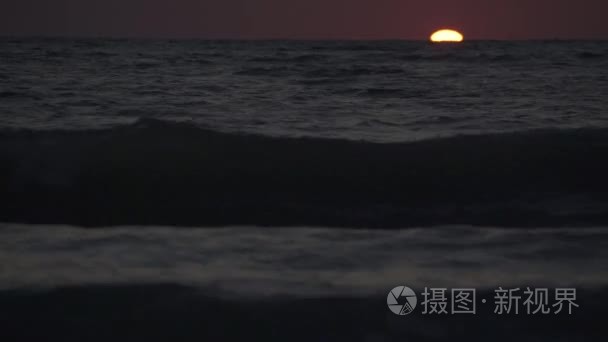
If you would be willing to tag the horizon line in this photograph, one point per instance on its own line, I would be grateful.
(252, 39)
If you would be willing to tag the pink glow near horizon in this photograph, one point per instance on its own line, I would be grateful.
(310, 19)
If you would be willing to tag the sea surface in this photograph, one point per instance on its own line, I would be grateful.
(278, 190)
(378, 91)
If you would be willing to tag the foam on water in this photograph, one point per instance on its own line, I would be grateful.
(303, 262)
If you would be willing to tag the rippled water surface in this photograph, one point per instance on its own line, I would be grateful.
(387, 91)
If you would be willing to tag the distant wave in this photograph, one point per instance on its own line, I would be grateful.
(155, 172)
(14, 94)
(275, 71)
(425, 56)
(428, 56)
(589, 55)
(354, 70)
(464, 57)
(288, 58)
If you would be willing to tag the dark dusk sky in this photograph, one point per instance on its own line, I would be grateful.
(306, 19)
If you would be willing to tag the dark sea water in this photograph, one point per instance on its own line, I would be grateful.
(381, 91)
(225, 190)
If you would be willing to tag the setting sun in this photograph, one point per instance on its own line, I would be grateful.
(447, 36)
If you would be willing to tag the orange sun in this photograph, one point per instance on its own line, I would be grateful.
(449, 36)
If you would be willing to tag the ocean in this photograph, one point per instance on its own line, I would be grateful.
(278, 190)
(373, 91)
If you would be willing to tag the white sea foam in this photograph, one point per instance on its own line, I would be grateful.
(303, 261)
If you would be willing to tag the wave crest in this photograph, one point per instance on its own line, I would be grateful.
(176, 173)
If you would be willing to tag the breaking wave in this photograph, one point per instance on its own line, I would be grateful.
(156, 172)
